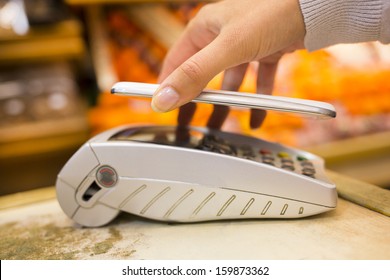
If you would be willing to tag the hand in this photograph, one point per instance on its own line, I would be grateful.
(228, 35)
(232, 80)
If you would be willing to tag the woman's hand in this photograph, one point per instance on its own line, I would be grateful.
(228, 35)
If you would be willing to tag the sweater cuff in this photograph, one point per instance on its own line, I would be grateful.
(340, 21)
(385, 31)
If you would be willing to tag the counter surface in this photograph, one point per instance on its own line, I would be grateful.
(33, 226)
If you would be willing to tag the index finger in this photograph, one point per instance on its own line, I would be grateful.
(192, 40)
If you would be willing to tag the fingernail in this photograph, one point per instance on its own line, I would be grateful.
(165, 99)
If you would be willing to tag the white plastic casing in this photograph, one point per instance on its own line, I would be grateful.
(173, 183)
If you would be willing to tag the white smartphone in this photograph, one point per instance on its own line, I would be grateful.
(318, 109)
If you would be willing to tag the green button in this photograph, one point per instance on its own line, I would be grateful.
(301, 158)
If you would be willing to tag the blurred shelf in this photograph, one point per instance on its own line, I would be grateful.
(65, 28)
(61, 40)
(158, 21)
(153, 19)
(100, 53)
(94, 2)
(42, 137)
(31, 155)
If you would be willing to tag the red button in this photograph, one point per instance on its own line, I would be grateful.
(265, 152)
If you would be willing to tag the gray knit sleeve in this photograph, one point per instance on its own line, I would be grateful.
(330, 22)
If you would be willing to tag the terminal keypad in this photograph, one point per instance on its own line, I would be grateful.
(280, 159)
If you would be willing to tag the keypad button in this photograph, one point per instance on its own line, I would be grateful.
(218, 145)
(307, 164)
(283, 155)
(288, 167)
(301, 158)
(268, 157)
(265, 152)
(248, 153)
(246, 148)
(287, 161)
(308, 171)
(249, 157)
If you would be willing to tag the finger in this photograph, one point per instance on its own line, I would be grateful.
(191, 77)
(198, 34)
(218, 116)
(265, 85)
(232, 80)
(195, 37)
(186, 113)
(183, 136)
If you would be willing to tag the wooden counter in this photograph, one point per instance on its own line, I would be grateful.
(32, 226)
(364, 157)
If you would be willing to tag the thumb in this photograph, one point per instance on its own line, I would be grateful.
(191, 77)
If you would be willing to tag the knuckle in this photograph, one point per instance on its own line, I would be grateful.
(206, 10)
(192, 71)
(201, 16)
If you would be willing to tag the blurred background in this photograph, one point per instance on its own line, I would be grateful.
(59, 59)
